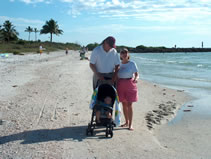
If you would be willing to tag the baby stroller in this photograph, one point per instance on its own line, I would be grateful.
(103, 90)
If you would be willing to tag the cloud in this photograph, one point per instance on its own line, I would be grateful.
(117, 28)
(147, 10)
(160, 10)
(22, 22)
(36, 1)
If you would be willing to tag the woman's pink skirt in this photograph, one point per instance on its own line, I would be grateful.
(127, 90)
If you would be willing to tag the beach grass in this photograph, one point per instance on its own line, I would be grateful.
(23, 46)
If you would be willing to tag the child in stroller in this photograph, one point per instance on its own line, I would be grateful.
(104, 98)
(103, 108)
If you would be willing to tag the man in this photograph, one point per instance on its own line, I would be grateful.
(104, 62)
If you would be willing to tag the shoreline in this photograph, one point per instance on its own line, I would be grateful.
(49, 113)
(165, 110)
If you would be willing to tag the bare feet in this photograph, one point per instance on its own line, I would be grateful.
(130, 128)
(98, 121)
(109, 116)
(124, 125)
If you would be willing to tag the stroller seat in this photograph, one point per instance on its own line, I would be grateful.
(104, 90)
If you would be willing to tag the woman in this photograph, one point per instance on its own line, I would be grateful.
(126, 86)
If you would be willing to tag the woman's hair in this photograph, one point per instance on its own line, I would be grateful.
(124, 50)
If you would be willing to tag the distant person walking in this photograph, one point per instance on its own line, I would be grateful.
(126, 86)
(104, 62)
(82, 52)
(66, 51)
(41, 49)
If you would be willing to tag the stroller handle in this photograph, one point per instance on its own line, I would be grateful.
(107, 78)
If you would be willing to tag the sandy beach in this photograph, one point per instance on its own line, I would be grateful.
(44, 113)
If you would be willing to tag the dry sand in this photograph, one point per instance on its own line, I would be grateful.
(44, 113)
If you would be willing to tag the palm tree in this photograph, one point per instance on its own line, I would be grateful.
(1, 36)
(35, 31)
(51, 27)
(8, 31)
(29, 29)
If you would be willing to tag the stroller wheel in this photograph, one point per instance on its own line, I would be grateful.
(106, 133)
(92, 132)
(87, 131)
(111, 134)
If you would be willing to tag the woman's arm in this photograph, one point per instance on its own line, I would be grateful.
(136, 77)
(114, 78)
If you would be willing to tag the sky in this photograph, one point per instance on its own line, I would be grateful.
(184, 23)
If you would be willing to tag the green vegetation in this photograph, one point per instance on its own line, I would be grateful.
(92, 46)
(51, 27)
(35, 31)
(10, 43)
(29, 30)
(8, 32)
(162, 49)
(21, 46)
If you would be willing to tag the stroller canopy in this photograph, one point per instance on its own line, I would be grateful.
(106, 90)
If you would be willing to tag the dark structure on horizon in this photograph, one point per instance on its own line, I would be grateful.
(168, 50)
(162, 49)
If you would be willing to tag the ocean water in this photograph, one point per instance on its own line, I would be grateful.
(184, 71)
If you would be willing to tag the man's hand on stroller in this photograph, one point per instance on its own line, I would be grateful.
(100, 76)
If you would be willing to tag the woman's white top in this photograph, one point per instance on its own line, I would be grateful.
(127, 70)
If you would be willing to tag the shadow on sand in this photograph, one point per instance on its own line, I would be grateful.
(45, 135)
(77, 133)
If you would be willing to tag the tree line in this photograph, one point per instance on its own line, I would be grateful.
(9, 33)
